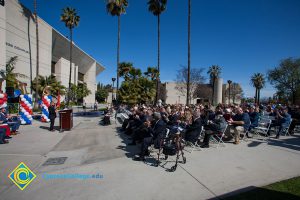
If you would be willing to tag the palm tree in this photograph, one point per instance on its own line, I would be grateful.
(37, 48)
(214, 72)
(124, 69)
(258, 81)
(11, 77)
(152, 72)
(189, 55)
(48, 83)
(116, 8)
(71, 20)
(157, 7)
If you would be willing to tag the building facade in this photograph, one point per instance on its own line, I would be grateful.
(173, 96)
(18, 38)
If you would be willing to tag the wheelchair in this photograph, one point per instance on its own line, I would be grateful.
(172, 145)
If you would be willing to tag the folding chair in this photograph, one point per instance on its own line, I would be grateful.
(263, 128)
(195, 146)
(285, 130)
(218, 138)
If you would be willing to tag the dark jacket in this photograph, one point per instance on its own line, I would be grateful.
(3, 117)
(52, 113)
(218, 125)
(193, 131)
(158, 130)
(254, 117)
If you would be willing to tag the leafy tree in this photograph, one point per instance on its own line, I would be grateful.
(214, 73)
(196, 78)
(203, 91)
(78, 92)
(258, 81)
(157, 7)
(48, 83)
(102, 92)
(236, 92)
(71, 20)
(11, 76)
(152, 73)
(137, 87)
(117, 8)
(286, 77)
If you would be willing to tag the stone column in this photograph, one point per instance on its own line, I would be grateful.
(218, 91)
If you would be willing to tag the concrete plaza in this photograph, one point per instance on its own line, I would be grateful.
(94, 149)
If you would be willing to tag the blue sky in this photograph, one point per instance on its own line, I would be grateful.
(243, 37)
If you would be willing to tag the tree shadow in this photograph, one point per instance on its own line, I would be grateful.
(289, 142)
(257, 193)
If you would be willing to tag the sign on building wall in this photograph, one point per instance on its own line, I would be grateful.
(2, 2)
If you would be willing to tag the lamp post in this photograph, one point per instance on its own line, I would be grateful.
(112, 91)
(229, 84)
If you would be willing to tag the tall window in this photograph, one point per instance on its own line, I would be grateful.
(53, 67)
(80, 76)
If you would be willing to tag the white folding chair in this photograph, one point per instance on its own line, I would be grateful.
(218, 138)
(262, 128)
(285, 130)
(195, 146)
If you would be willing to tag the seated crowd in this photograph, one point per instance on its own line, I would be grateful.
(9, 125)
(147, 124)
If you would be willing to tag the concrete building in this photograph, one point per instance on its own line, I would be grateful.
(18, 38)
(173, 96)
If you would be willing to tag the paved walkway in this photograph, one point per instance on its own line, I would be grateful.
(94, 149)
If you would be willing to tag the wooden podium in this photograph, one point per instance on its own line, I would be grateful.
(66, 120)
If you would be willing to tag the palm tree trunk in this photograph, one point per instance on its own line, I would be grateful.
(158, 58)
(118, 56)
(189, 54)
(71, 46)
(255, 99)
(229, 94)
(258, 97)
(213, 90)
(30, 56)
(37, 51)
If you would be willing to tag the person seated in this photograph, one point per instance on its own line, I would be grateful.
(295, 114)
(193, 131)
(3, 140)
(254, 118)
(157, 133)
(141, 132)
(239, 123)
(13, 123)
(133, 123)
(7, 130)
(283, 121)
(173, 118)
(215, 126)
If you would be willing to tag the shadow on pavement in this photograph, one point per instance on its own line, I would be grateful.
(57, 128)
(291, 142)
(258, 193)
(130, 151)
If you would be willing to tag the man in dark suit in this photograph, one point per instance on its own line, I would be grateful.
(52, 115)
(157, 132)
(215, 126)
(193, 131)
